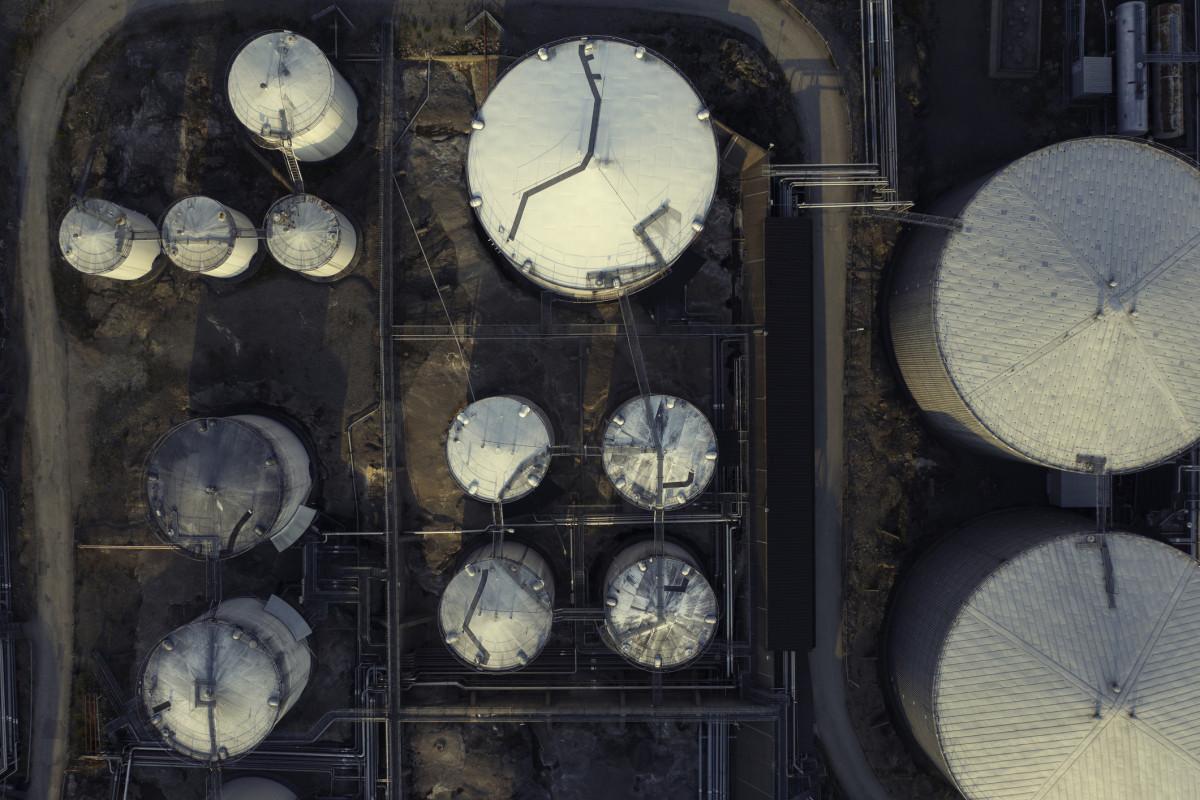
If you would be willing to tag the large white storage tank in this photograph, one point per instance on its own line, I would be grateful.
(287, 94)
(497, 611)
(101, 238)
(218, 486)
(1035, 658)
(629, 451)
(592, 165)
(660, 612)
(256, 789)
(499, 448)
(215, 688)
(309, 236)
(1052, 327)
(202, 235)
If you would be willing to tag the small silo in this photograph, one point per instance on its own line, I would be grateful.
(1048, 328)
(309, 236)
(101, 238)
(202, 235)
(592, 166)
(630, 451)
(287, 94)
(497, 611)
(218, 486)
(659, 610)
(256, 789)
(215, 688)
(1035, 658)
(498, 448)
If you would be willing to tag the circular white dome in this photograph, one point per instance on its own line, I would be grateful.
(280, 85)
(498, 448)
(1062, 308)
(198, 234)
(689, 451)
(303, 232)
(592, 168)
(95, 236)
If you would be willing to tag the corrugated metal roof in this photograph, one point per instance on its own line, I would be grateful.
(1069, 674)
(1062, 307)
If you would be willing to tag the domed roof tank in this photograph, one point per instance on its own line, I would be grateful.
(205, 236)
(309, 236)
(498, 448)
(97, 237)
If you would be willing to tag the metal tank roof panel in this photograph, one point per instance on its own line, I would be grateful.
(1059, 306)
(592, 166)
(95, 236)
(656, 639)
(496, 613)
(198, 234)
(1069, 674)
(498, 448)
(689, 451)
(280, 85)
(303, 231)
(211, 690)
(214, 486)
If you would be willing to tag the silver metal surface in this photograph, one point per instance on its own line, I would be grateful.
(689, 451)
(1054, 326)
(498, 448)
(97, 237)
(1036, 658)
(218, 486)
(1132, 71)
(308, 235)
(200, 234)
(651, 633)
(497, 611)
(214, 688)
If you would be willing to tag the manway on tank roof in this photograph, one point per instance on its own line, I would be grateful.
(1062, 305)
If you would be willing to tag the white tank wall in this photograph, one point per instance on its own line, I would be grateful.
(245, 248)
(344, 255)
(140, 261)
(293, 462)
(336, 127)
(291, 655)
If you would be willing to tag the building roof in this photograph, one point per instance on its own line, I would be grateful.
(95, 236)
(199, 234)
(1069, 675)
(280, 85)
(215, 486)
(1060, 306)
(592, 165)
(498, 448)
(303, 231)
(630, 456)
(496, 613)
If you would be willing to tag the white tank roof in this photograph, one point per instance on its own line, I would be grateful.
(303, 231)
(199, 233)
(256, 789)
(496, 612)
(280, 85)
(95, 236)
(689, 448)
(498, 448)
(594, 165)
(650, 634)
(1062, 307)
(1048, 686)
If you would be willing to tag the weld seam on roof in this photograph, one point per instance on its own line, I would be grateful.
(1159, 378)
(1164, 740)
(1173, 259)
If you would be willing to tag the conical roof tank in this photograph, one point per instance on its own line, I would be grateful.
(218, 486)
(101, 238)
(1049, 328)
(592, 166)
(1033, 657)
(285, 92)
(498, 448)
(497, 611)
(652, 629)
(256, 789)
(309, 236)
(202, 235)
(630, 452)
(215, 688)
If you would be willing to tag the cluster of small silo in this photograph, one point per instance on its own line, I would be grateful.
(216, 687)
(1033, 657)
(288, 95)
(605, 186)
